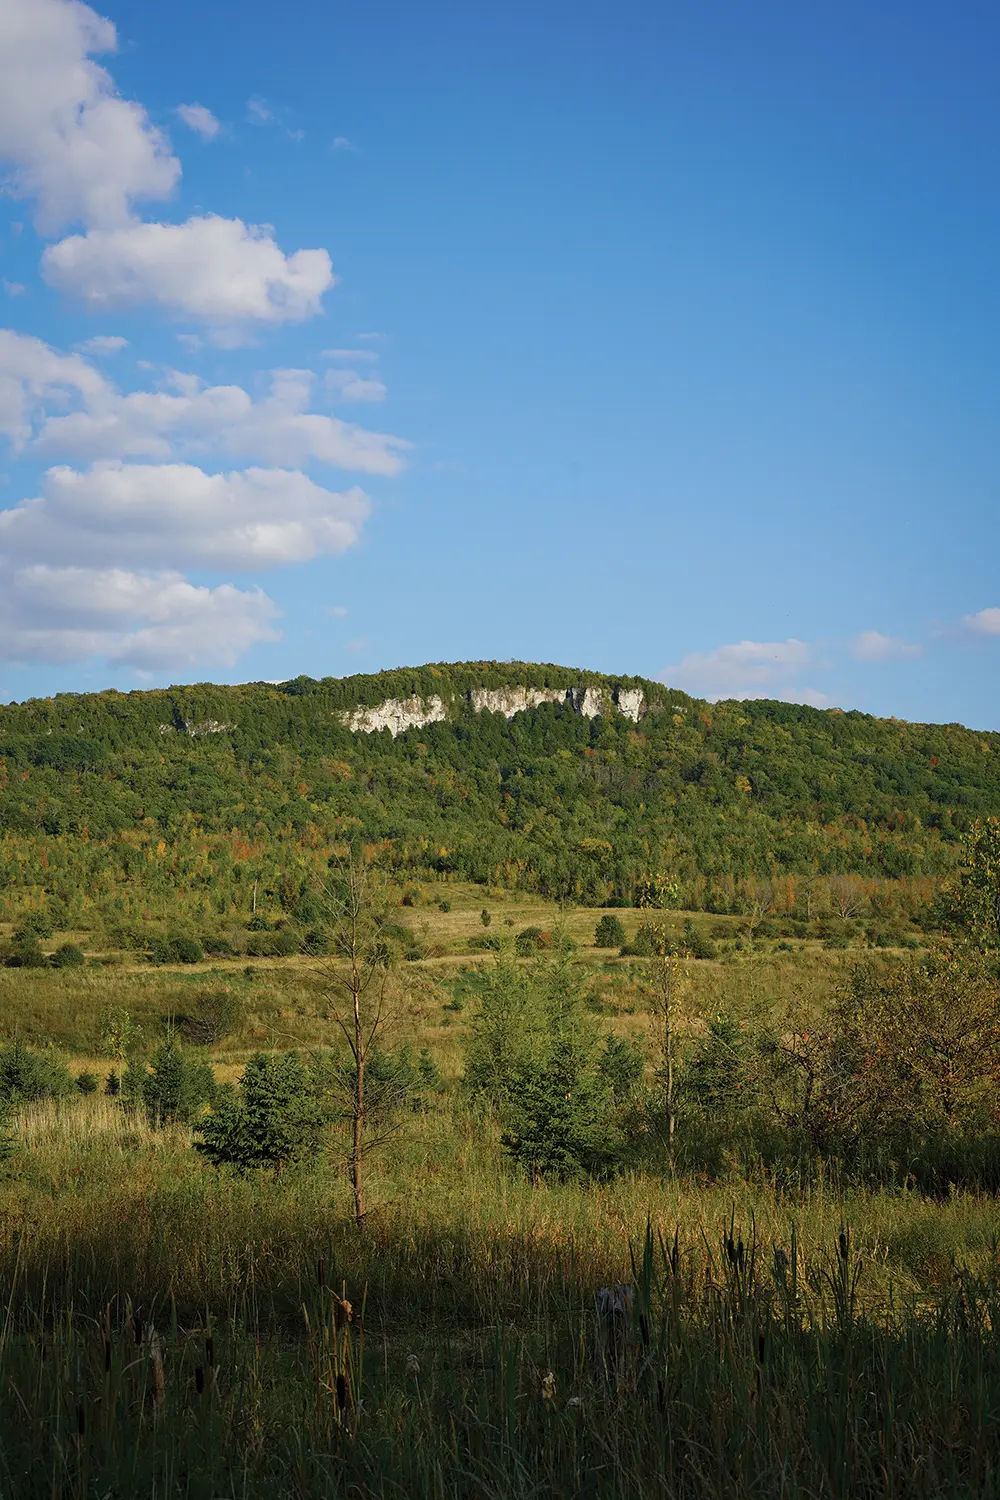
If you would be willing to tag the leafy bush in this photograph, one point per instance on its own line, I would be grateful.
(210, 1016)
(36, 924)
(609, 932)
(529, 940)
(280, 942)
(272, 1120)
(217, 946)
(68, 956)
(25, 953)
(484, 942)
(179, 949)
(444, 906)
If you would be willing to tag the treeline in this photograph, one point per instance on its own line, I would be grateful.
(192, 798)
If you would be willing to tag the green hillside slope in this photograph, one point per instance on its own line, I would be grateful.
(130, 802)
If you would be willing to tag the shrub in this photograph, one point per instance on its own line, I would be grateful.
(24, 953)
(212, 1015)
(696, 943)
(26, 1076)
(444, 906)
(281, 942)
(484, 942)
(179, 949)
(173, 1088)
(719, 1077)
(87, 1083)
(609, 933)
(621, 1065)
(485, 917)
(36, 924)
(272, 1120)
(68, 956)
(218, 947)
(529, 940)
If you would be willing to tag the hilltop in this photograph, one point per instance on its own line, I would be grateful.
(545, 778)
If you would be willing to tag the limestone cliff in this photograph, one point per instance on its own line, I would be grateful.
(399, 714)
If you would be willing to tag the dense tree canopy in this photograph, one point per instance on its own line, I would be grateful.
(209, 792)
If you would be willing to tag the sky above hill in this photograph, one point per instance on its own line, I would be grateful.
(652, 338)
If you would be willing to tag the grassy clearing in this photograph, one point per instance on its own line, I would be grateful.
(173, 1330)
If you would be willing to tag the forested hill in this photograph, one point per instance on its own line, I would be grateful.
(612, 782)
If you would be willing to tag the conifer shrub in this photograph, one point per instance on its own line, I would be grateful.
(26, 1076)
(172, 1087)
(87, 1083)
(273, 1119)
(609, 932)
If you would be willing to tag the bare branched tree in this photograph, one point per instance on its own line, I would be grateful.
(359, 979)
(847, 895)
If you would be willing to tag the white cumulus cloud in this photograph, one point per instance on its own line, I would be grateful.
(984, 622)
(64, 406)
(177, 516)
(141, 620)
(83, 153)
(31, 374)
(746, 669)
(229, 274)
(199, 119)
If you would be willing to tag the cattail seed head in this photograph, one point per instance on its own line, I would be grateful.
(199, 1379)
(341, 1391)
(210, 1352)
(548, 1387)
(412, 1367)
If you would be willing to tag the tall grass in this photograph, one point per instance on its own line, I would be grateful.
(169, 1331)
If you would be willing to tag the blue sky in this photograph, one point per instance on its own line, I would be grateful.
(649, 338)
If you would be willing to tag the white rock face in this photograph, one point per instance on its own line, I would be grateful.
(589, 702)
(396, 715)
(400, 714)
(513, 700)
(631, 703)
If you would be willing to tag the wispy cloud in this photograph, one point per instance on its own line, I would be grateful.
(103, 343)
(341, 143)
(199, 119)
(746, 669)
(368, 356)
(13, 288)
(872, 645)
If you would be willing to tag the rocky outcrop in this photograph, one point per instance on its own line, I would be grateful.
(514, 700)
(399, 714)
(631, 703)
(196, 730)
(396, 715)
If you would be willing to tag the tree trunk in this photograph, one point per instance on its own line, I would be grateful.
(358, 1110)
